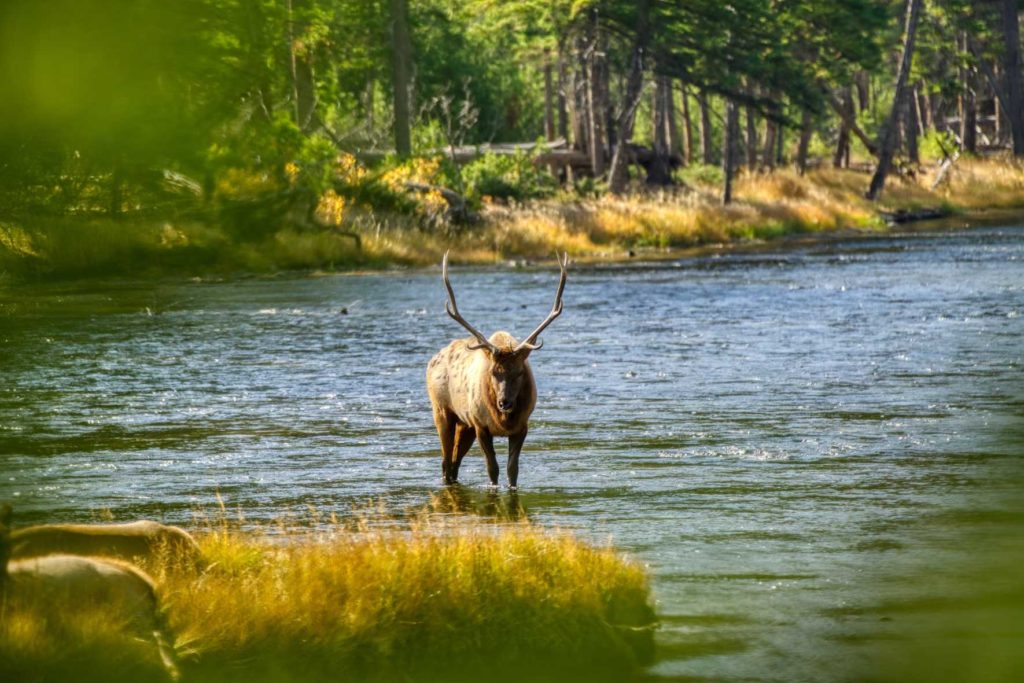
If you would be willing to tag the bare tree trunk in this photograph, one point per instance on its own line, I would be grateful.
(563, 113)
(1002, 122)
(849, 119)
(370, 104)
(1014, 89)
(924, 125)
(845, 107)
(688, 144)
(401, 63)
(706, 152)
(966, 105)
(672, 126)
(910, 126)
(927, 110)
(780, 146)
(805, 141)
(863, 82)
(596, 100)
(752, 140)
(580, 89)
(658, 172)
(618, 175)
(887, 138)
(729, 152)
(771, 129)
(549, 102)
(303, 89)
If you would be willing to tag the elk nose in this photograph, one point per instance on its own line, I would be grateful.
(504, 405)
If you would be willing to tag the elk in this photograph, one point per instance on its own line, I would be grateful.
(57, 586)
(144, 540)
(483, 387)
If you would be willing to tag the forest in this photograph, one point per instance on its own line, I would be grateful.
(267, 134)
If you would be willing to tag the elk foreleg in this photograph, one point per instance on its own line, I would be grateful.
(515, 445)
(487, 445)
(464, 437)
(445, 423)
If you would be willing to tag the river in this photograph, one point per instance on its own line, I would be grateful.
(814, 448)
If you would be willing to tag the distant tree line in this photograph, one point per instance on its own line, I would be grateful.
(145, 105)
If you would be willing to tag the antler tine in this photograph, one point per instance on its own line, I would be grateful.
(556, 309)
(453, 310)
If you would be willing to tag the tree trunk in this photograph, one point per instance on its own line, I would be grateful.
(303, 88)
(849, 119)
(730, 138)
(549, 103)
(658, 171)
(845, 107)
(688, 144)
(706, 152)
(780, 146)
(967, 106)
(401, 64)
(863, 82)
(595, 100)
(910, 126)
(672, 126)
(805, 141)
(923, 125)
(580, 90)
(1013, 89)
(751, 137)
(768, 155)
(619, 172)
(563, 113)
(887, 138)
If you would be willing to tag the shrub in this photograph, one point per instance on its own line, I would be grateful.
(508, 177)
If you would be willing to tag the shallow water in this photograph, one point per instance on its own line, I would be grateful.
(815, 449)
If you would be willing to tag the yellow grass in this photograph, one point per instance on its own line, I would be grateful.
(765, 206)
(437, 598)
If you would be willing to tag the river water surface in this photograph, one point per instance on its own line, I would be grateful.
(814, 449)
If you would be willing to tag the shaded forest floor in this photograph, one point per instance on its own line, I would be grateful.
(650, 223)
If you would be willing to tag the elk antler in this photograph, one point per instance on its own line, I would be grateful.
(556, 310)
(453, 311)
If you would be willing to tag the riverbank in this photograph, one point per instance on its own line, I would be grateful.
(372, 600)
(767, 207)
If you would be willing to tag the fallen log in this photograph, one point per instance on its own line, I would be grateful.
(911, 215)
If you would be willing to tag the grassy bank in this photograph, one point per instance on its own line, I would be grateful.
(766, 206)
(427, 600)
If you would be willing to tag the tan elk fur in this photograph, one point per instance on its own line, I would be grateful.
(481, 388)
(143, 540)
(61, 584)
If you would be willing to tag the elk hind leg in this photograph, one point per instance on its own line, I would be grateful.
(464, 437)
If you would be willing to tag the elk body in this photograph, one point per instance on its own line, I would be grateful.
(143, 540)
(483, 387)
(62, 584)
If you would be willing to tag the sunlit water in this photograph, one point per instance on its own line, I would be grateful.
(810, 447)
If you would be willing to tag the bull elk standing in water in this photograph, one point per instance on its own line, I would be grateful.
(481, 388)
